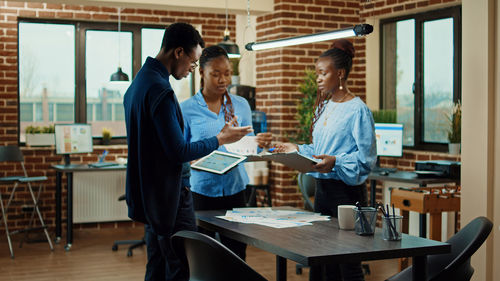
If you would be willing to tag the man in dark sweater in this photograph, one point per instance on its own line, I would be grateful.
(157, 150)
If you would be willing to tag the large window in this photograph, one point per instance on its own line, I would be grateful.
(420, 72)
(65, 69)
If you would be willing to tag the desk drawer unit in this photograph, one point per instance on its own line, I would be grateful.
(95, 197)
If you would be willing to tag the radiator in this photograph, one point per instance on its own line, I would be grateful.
(95, 196)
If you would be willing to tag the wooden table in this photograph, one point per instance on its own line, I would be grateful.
(323, 243)
(69, 170)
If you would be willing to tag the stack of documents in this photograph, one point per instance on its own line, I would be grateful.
(247, 146)
(273, 218)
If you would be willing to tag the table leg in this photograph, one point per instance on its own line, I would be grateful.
(423, 225)
(423, 221)
(403, 262)
(373, 191)
(69, 213)
(280, 268)
(58, 206)
(419, 270)
(435, 226)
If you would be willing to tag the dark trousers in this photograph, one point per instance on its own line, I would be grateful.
(162, 261)
(329, 194)
(237, 200)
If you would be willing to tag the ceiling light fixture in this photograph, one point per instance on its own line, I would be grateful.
(119, 75)
(357, 30)
(233, 51)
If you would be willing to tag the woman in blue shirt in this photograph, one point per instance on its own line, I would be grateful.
(204, 115)
(343, 137)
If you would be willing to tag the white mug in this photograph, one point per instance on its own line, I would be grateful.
(346, 216)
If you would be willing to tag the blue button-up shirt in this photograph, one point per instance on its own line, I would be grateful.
(200, 123)
(345, 130)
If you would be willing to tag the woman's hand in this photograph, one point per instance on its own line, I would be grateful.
(326, 165)
(264, 139)
(285, 147)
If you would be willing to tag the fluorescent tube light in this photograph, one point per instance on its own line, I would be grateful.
(358, 30)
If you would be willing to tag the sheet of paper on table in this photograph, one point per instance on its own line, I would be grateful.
(273, 218)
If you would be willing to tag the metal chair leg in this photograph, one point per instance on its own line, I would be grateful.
(4, 216)
(40, 216)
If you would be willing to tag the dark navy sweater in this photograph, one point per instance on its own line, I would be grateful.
(156, 148)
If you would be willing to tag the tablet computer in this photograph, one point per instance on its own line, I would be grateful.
(218, 162)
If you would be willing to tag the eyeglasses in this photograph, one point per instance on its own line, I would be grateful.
(194, 64)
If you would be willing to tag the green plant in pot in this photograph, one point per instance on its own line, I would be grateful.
(385, 116)
(106, 136)
(40, 136)
(305, 113)
(455, 130)
(305, 108)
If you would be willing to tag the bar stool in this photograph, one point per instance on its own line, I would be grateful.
(14, 154)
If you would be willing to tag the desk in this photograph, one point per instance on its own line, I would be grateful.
(69, 170)
(323, 243)
(406, 177)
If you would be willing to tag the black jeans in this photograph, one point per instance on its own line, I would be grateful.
(202, 202)
(163, 264)
(329, 194)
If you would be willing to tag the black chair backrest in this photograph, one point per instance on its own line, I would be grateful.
(307, 186)
(209, 260)
(11, 153)
(456, 264)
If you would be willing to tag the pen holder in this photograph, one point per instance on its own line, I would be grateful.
(391, 228)
(365, 220)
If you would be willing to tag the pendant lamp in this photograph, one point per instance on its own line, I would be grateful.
(119, 75)
(233, 51)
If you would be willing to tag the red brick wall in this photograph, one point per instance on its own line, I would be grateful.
(38, 160)
(280, 70)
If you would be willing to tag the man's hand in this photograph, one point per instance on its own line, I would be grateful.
(230, 134)
(264, 139)
(326, 165)
(285, 147)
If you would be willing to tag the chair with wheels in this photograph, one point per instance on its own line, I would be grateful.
(133, 243)
(455, 265)
(14, 154)
(209, 260)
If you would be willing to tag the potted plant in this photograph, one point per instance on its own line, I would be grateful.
(385, 116)
(305, 108)
(455, 130)
(106, 136)
(40, 136)
(235, 78)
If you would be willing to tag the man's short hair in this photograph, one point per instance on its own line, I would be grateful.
(183, 35)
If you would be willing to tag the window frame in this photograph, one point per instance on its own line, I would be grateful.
(80, 102)
(420, 18)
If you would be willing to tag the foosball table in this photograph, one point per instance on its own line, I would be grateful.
(432, 200)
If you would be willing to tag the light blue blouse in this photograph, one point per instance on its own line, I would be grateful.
(345, 130)
(201, 123)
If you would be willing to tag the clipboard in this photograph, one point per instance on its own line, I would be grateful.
(218, 162)
(293, 159)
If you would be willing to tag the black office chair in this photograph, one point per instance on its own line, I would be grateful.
(15, 155)
(455, 265)
(307, 186)
(133, 243)
(209, 260)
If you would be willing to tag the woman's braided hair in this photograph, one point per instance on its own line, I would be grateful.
(208, 55)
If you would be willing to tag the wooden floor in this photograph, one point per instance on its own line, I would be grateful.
(91, 258)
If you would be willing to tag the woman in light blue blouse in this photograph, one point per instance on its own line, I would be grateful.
(204, 115)
(343, 137)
